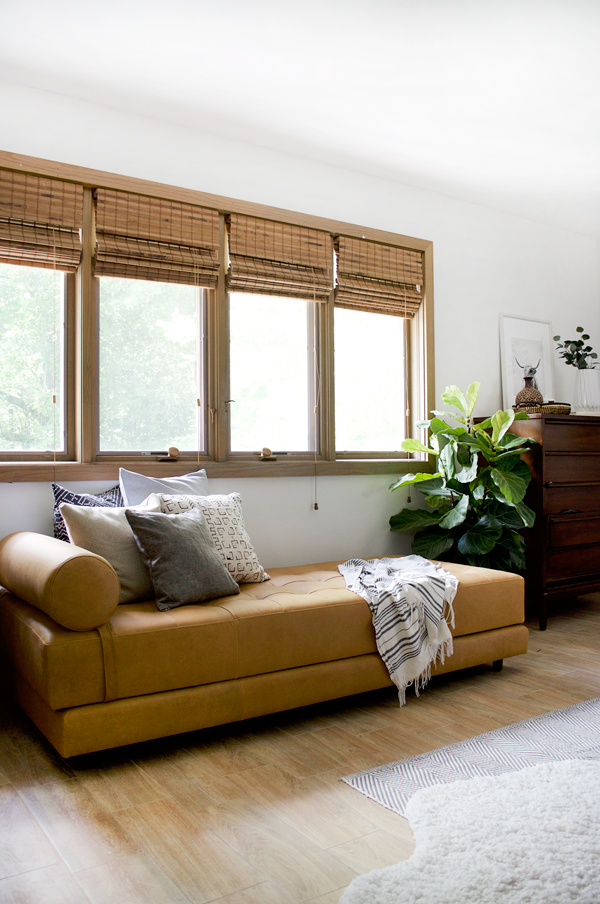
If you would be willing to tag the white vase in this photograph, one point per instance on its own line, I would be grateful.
(587, 390)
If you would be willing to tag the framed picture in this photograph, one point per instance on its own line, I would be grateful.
(525, 343)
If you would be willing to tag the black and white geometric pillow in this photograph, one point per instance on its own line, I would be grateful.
(108, 499)
(225, 522)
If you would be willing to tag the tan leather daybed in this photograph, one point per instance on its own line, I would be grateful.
(93, 674)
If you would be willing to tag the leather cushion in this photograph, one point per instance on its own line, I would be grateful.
(303, 615)
(78, 589)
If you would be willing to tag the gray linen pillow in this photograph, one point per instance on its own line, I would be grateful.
(106, 532)
(184, 564)
(137, 487)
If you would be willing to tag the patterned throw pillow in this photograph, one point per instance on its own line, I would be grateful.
(225, 522)
(108, 499)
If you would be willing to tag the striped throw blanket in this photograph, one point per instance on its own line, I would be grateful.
(408, 598)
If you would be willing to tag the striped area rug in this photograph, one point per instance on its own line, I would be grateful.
(565, 734)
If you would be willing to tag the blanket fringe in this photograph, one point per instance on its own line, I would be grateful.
(438, 654)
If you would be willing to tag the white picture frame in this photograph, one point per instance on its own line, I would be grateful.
(524, 341)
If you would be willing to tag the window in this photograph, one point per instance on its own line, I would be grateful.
(272, 343)
(135, 317)
(370, 386)
(32, 360)
(151, 366)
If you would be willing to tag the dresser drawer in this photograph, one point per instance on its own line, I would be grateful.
(561, 467)
(561, 437)
(584, 498)
(573, 530)
(570, 561)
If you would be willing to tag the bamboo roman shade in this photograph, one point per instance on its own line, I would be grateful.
(378, 278)
(40, 220)
(279, 259)
(151, 238)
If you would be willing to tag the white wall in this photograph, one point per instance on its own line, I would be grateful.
(485, 262)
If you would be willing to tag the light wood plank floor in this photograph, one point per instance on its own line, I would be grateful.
(255, 813)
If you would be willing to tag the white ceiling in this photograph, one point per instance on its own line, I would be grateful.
(490, 101)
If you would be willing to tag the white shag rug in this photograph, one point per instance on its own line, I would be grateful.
(528, 837)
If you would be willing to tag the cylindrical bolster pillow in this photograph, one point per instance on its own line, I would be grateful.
(77, 588)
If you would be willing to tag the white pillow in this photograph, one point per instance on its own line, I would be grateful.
(106, 532)
(137, 487)
(225, 522)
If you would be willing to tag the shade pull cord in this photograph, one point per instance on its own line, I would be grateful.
(317, 400)
(198, 402)
(406, 403)
(54, 294)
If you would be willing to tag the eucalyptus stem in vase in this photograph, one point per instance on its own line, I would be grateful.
(577, 354)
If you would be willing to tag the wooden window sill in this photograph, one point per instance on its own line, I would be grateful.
(60, 472)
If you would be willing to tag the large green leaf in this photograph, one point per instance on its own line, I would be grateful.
(414, 445)
(506, 515)
(455, 417)
(437, 492)
(436, 487)
(472, 393)
(408, 480)
(501, 421)
(510, 441)
(437, 425)
(454, 432)
(467, 473)
(453, 395)
(502, 456)
(481, 538)
(481, 441)
(432, 542)
(511, 551)
(510, 484)
(413, 519)
(446, 462)
(526, 514)
(469, 439)
(440, 440)
(457, 514)
(515, 465)
(501, 558)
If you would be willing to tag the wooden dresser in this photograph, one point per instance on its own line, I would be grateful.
(563, 547)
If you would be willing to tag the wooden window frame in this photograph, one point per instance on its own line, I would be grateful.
(313, 333)
(202, 333)
(82, 363)
(68, 453)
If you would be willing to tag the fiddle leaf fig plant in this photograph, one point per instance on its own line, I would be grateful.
(475, 510)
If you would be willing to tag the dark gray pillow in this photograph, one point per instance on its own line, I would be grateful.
(184, 564)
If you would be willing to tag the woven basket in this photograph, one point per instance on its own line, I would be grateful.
(556, 408)
(528, 408)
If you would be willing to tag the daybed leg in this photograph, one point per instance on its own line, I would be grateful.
(543, 616)
(497, 665)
